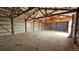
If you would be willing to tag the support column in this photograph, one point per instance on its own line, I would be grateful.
(43, 26)
(72, 25)
(12, 26)
(56, 27)
(76, 23)
(67, 27)
(25, 25)
(71, 33)
(33, 25)
(38, 25)
(50, 25)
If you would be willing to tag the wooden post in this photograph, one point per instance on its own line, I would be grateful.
(56, 27)
(38, 25)
(33, 25)
(43, 26)
(67, 27)
(50, 25)
(25, 25)
(76, 23)
(12, 26)
(45, 12)
(72, 25)
(71, 33)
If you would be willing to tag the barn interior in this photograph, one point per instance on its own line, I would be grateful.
(39, 28)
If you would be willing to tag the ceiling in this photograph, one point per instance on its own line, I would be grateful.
(36, 12)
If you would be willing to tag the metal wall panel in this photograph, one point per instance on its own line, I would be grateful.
(19, 25)
(5, 26)
(57, 26)
(36, 26)
(62, 26)
(29, 26)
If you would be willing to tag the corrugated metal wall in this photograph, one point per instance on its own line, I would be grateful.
(47, 26)
(57, 26)
(29, 26)
(62, 26)
(19, 25)
(5, 25)
(36, 26)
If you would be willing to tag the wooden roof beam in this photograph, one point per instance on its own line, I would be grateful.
(4, 10)
(36, 13)
(30, 8)
(70, 11)
(57, 8)
(41, 12)
(33, 14)
(51, 12)
(7, 8)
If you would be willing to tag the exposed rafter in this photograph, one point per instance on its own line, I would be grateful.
(70, 11)
(36, 13)
(7, 8)
(12, 13)
(51, 12)
(17, 11)
(36, 10)
(41, 12)
(30, 8)
(50, 8)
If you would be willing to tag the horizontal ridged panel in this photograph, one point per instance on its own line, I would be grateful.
(5, 25)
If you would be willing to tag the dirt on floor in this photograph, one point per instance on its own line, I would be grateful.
(37, 41)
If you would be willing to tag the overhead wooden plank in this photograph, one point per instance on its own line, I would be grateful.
(55, 8)
(70, 11)
(42, 12)
(30, 8)
(36, 14)
(51, 12)
(45, 11)
(4, 10)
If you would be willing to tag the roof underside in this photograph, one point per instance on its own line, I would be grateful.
(31, 13)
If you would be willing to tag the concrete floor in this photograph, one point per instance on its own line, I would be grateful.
(37, 41)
